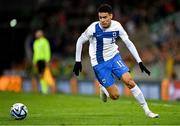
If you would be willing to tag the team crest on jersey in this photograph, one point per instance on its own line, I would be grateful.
(114, 34)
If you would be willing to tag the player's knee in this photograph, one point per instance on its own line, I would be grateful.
(114, 96)
(130, 83)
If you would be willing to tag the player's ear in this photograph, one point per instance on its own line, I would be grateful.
(111, 16)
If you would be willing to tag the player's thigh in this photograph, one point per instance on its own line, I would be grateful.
(127, 80)
(104, 75)
(119, 67)
(41, 64)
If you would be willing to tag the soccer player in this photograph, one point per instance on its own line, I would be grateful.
(41, 59)
(106, 60)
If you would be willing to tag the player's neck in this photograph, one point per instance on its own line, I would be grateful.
(104, 28)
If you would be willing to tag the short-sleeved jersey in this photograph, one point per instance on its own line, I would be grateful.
(102, 42)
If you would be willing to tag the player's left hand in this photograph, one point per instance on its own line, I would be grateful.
(143, 68)
(77, 68)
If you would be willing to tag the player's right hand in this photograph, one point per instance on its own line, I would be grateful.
(77, 68)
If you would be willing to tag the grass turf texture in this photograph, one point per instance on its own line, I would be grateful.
(62, 109)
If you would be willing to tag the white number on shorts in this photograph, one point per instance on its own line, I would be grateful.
(120, 63)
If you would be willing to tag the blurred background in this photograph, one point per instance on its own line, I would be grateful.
(152, 25)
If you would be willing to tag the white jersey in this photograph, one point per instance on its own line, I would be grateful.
(102, 42)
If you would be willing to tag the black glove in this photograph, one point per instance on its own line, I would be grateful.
(143, 68)
(77, 68)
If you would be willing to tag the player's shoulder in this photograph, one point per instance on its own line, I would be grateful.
(91, 27)
(43, 39)
(114, 22)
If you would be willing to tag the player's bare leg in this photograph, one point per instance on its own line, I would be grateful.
(113, 92)
(129, 82)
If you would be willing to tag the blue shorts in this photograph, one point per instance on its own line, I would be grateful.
(104, 72)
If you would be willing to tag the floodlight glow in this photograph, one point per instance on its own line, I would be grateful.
(13, 22)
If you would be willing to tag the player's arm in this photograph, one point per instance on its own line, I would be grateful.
(34, 59)
(135, 54)
(132, 49)
(47, 51)
(78, 66)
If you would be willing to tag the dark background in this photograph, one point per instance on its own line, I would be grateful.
(64, 20)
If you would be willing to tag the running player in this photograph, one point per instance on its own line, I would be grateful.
(105, 58)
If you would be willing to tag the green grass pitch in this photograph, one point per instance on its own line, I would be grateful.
(60, 109)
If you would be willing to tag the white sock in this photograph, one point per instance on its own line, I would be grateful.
(104, 90)
(140, 98)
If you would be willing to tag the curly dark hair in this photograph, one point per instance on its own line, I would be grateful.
(105, 8)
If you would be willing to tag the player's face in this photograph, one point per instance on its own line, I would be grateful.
(39, 34)
(105, 19)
